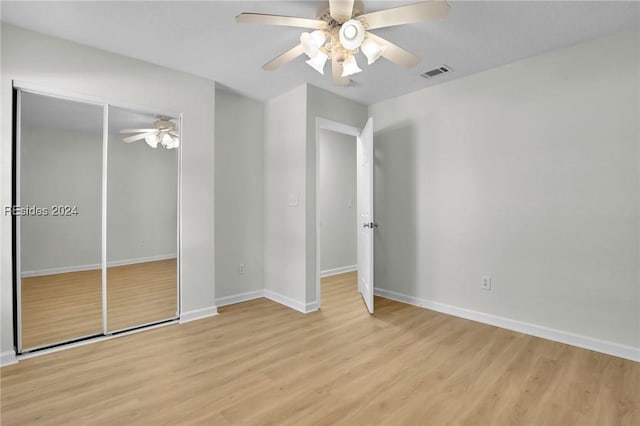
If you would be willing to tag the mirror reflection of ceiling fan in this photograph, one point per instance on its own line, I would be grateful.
(343, 30)
(163, 133)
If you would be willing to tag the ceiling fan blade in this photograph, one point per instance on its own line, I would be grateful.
(419, 12)
(341, 10)
(137, 130)
(394, 53)
(287, 56)
(136, 137)
(336, 72)
(287, 21)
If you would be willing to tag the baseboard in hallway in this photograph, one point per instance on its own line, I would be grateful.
(337, 271)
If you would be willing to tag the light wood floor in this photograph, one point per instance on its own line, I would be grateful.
(261, 363)
(61, 307)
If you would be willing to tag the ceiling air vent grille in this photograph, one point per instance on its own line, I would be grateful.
(443, 69)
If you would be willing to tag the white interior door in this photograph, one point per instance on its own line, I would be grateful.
(366, 224)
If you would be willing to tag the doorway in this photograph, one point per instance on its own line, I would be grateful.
(349, 209)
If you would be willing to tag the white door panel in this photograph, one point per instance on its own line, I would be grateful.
(365, 214)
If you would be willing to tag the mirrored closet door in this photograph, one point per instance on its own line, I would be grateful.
(142, 191)
(60, 186)
(96, 219)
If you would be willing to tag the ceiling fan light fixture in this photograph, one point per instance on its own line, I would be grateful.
(312, 42)
(319, 37)
(351, 34)
(318, 61)
(174, 144)
(372, 50)
(166, 139)
(152, 140)
(350, 66)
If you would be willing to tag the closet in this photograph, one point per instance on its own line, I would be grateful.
(96, 218)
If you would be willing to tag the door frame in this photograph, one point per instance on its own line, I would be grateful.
(345, 129)
(18, 87)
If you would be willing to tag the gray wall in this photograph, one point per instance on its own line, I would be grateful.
(338, 200)
(290, 172)
(142, 201)
(284, 177)
(54, 63)
(239, 189)
(64, 167)
(61, 167)
(528, 173)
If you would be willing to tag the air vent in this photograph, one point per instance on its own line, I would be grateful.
(436, 71)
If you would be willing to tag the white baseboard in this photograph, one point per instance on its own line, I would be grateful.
(305, 308)
(8, 358)
(238, 298)
(198, 314)
(581, 341)
(336, 271)
(79, 268)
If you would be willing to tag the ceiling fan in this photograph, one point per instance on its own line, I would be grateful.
(343, 30)
(163, 133)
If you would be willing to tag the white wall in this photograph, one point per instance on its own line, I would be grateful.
(528, 173)
(338, 200)
(239, 189)
(284, 178)
(59, 64)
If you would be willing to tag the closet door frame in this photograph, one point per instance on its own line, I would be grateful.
(20, 87)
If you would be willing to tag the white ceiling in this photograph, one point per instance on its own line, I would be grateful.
(203, 38)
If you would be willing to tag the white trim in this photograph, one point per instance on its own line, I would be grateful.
(78, 268)
(325, 123)
(305, 308)
(240, 297)
(103, 228)
(573, 339)
(69, 95)
(8, 358)
(18, 230)
(179, 224)
(198, 314)
(338, 271)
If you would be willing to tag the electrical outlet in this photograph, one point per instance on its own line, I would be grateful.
(485, 283)
(241, 268)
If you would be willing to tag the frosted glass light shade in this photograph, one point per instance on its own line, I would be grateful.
(152, 140)
(166, 139)
(351, 34)
(312, 42)
(173, 144)
(372, 50)
(318, 61)
(319, 37)
(350, 66)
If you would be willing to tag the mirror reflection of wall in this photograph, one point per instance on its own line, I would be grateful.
(60, 251)
(141, 222)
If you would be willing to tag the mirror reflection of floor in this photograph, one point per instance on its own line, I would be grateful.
(63, 307)
(141, 293)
